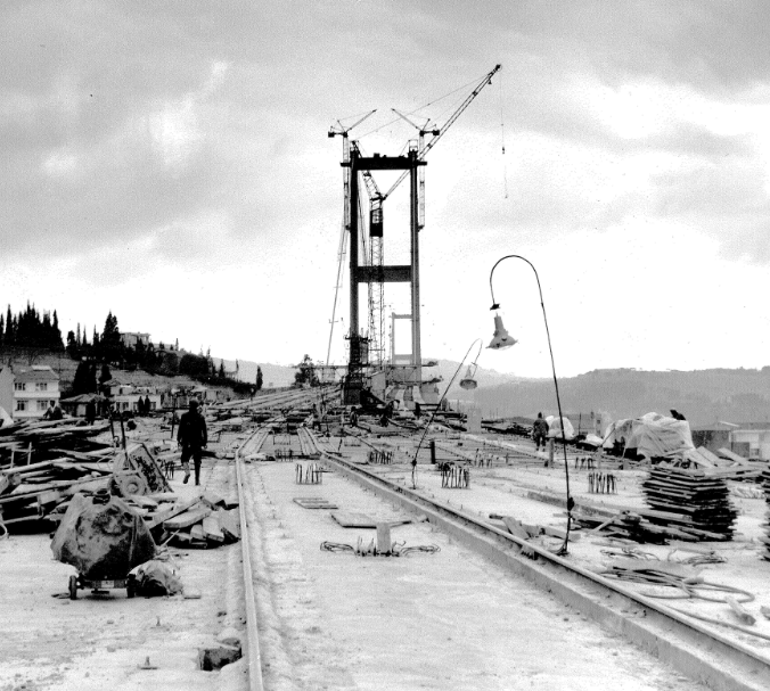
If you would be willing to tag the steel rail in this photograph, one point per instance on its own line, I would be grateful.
(706, 655)
(253, 653)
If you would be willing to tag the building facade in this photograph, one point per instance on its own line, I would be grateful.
(34, 390)
(131, 338)
(6, 390)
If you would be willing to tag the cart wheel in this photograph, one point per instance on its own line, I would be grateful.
(130, 587)
(73, 588)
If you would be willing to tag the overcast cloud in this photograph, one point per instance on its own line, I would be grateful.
(169, 162)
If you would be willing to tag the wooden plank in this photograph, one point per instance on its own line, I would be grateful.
(197, 534)
(733, 456)
(187, 519)
(229, 522)
(710, 455)
(164, 514)
(164, 496)
(515, 527)
(144, 502)
(212, 500)
(212, 530)
(313, 503)
(43, 465)
(349, 519)
(561, 533)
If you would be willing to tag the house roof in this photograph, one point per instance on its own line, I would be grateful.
(35, 374)
(715, 427)
(753, 425)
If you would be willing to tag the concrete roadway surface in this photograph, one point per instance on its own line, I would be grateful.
(328, 619)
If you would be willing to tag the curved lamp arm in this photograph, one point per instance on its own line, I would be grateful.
(438, 405)
(496, 306)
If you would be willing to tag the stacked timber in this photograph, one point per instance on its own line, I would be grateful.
(766, 487)
(30, 493)
(695, 501)
(206, 521)
(39, 492)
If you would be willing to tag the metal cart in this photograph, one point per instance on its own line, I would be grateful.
(79, 582)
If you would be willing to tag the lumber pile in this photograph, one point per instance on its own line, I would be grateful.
(36, 493)
(694, 501)
(204, 522)
(30, 493)
(639, 526)
(766, 487)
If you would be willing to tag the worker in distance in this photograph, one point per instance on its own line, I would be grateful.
(193, 438)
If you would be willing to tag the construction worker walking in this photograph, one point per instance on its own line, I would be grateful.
(193, 438)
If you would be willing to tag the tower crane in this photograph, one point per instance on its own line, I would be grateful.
(343, 131)
(377, 200)
(375, 273)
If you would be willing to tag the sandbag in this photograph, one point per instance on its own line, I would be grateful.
(102, 538)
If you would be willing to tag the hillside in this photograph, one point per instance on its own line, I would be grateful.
(703, 396)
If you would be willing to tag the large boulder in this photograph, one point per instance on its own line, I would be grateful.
(103, 538)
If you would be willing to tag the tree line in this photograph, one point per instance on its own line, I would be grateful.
(31, 333)
(30, 330)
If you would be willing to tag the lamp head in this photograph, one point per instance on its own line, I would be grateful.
(468, 382)
(501, 338)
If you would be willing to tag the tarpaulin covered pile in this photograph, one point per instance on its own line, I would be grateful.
(102, 537)
(653, 436)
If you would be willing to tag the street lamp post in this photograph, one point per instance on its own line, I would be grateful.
(502, 340)
(468, 382)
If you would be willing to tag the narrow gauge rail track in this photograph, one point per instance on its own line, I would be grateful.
(701, 654)
(692, 649)
(251, 648)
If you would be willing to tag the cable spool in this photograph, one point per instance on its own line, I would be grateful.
(130, 483)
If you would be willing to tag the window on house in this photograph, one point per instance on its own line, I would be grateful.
(21, 405)
(41, 386)
(19, 386)
(42, 405)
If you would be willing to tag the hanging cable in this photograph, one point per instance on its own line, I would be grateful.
(502, 137)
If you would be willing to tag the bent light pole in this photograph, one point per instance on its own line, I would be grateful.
(502, 340)
(468, 382)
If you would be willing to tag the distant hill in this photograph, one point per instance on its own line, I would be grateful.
(272, 375)
(703, 396)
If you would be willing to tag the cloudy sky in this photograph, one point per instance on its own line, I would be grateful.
(169, 162)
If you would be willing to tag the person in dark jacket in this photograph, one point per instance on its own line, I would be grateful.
(193, 438)
(540, 432)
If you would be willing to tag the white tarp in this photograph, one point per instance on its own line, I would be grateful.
(554, 428)
(653, 436)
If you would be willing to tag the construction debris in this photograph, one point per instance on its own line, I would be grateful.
(45, 464)
(204, 522)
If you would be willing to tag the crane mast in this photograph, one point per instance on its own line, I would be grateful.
(357, 168)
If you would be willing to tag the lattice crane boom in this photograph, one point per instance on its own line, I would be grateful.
(443, 130)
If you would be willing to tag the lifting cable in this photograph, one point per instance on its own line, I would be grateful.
(502, 136)
(416, 111)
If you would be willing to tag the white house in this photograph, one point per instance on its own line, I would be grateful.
(131, 338)
(34, 390)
